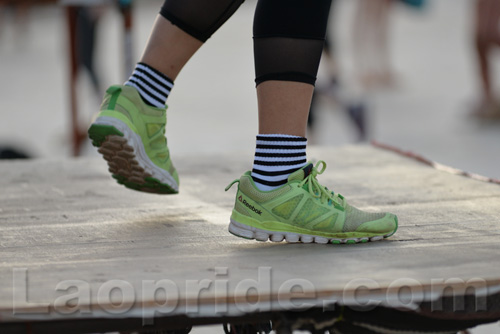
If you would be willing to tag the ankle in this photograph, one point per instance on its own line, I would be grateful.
(276, 157)
(153, 86)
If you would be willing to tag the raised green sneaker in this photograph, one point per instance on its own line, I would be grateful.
(302, 210)
(131, 137)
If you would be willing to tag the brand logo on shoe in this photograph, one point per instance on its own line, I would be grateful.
(250, 206)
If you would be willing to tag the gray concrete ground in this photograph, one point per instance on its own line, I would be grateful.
(213, 107)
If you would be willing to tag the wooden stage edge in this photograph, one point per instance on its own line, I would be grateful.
(79, 253)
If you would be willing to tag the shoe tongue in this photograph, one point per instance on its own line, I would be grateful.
(301, 174)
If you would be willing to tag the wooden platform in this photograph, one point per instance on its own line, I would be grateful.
(75, 245)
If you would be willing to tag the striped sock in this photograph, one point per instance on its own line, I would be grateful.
(276, 157)
(153, 86)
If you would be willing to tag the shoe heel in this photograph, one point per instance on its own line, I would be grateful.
(99, 132)
(238, 231)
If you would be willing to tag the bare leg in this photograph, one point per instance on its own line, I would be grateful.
(162, 50)
(284, 107)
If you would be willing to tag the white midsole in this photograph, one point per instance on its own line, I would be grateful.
(135, 141)
(251, 232)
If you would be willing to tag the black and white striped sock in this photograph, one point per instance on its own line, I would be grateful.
(153, 86)
(276, 157)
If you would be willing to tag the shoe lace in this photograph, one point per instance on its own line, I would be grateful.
(319, 191)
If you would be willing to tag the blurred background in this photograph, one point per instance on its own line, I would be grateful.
(404, 73)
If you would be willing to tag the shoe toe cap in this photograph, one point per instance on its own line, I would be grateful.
(386, 225)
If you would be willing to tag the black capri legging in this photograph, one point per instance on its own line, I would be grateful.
(288, 34)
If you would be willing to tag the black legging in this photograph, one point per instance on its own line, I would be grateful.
(288, 34)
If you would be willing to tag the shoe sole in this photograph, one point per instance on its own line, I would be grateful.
(128, 162)
(251, 233)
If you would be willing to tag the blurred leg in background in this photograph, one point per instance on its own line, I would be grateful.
(487, 36)
(86, 26)
(334, 92)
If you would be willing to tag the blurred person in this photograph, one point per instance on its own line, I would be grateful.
(280, 198)
(87, 18)
(332, 89)
(487, 36)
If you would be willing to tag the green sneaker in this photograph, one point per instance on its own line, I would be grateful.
(131, 137)
(303, 210)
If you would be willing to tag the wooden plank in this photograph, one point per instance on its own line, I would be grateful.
(64, 221)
